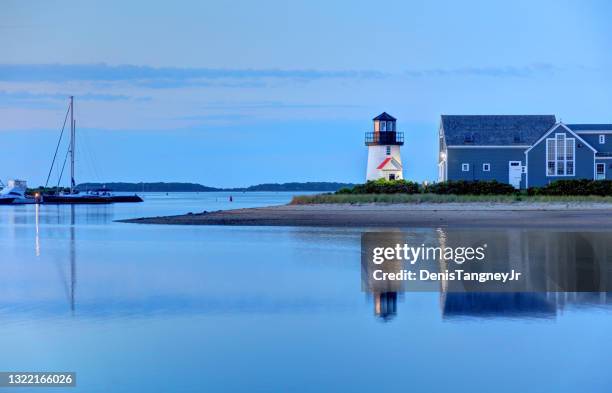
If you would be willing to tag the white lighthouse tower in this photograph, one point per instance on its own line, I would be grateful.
(384, 160)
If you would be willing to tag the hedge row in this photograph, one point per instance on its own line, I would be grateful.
(383, 186)
(574, 187)
(462, 187)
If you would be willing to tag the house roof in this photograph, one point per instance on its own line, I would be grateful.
(590, 127)
(489, 130)
(554, 129)
(384, 116)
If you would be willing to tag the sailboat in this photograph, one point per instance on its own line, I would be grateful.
(74, 196)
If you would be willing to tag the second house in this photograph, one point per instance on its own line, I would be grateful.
(524, 151)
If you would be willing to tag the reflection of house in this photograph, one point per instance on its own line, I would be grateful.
(557, 265)
(549, 261)
(486, 305)
(523, 151)
(518, 305)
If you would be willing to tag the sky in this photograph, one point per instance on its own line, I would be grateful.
(237, 93)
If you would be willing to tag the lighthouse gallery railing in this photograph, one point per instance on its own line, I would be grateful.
(384, 138)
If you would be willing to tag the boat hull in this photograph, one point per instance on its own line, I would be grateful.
(76, 200)
(6, 201)
(126, 198)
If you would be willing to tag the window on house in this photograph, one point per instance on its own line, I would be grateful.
(602, 139)
(600, 171)
(465, 167)
(468, 138)
(391, 176)
(560, 152)
(486, 167)
(383, 125)
(388, 150)
(569, 156)
(389, 126)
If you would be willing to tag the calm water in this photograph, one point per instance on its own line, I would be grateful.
(135, 308)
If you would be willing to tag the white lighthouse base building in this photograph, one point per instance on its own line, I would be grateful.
(384, 162)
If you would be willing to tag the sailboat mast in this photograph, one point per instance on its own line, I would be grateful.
(72, 132)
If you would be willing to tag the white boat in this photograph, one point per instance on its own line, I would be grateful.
(16, 189)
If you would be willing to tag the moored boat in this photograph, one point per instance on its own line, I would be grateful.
(16, 189)
(74, 196)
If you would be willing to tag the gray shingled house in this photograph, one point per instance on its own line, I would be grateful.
(525, 151)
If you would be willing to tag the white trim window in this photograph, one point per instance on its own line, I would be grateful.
(465, 167)
(560, 155)
(388, 150)
(602, 139)
(486, 167)
(600, 171)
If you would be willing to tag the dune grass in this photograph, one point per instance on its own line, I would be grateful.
(436, 198)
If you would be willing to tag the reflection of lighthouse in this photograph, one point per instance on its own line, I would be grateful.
(385, 305)
(384, 161)
(384, 292)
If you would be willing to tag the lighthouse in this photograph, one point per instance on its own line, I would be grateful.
(384, 142)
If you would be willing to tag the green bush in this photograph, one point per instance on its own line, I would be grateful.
(464, 187)
(345, 191)
(574, 187)
(383, 186)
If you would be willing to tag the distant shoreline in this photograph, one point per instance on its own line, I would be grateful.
(195, 187)
(592, 216)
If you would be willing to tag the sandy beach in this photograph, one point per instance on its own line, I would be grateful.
(594, 216)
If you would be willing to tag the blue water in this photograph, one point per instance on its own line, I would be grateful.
(140, 308)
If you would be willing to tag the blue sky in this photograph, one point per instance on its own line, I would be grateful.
(238, 93)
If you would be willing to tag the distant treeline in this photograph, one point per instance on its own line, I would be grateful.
(146, 187)
(194, 187)
(308, 186)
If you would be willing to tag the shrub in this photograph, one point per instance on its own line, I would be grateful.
(574, 187)
(464, 187)
(383, 186)
(345, 191)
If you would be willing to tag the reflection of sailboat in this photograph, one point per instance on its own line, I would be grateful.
(72, 260)
(37, 224)
(74, 196)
